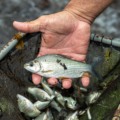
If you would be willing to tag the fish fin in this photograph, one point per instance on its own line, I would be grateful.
(47, 71)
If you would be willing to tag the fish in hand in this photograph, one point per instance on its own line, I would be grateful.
(58, 66)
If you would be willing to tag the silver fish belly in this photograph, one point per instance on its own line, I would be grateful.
(72, 116)
(60, 98)
(93, 97)
(56, 106)
(71, 103)
(27, 107)
(57, 66)
(42, 116)
(47, 88)
(39, 94)
(49, 114)
(41, 105)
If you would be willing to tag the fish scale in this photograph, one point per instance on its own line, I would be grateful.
(57, 66)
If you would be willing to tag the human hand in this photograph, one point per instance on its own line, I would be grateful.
(62, 33)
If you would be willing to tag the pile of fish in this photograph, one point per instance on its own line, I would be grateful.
(47, 99)
(57, 66)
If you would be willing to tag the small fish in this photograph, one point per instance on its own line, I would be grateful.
(60, 98)
(71, 103)
(57, 66)
(72, 116)
(56, 106)
(42, 116)
(47, 88)
(93, 97)
(49, 114)
(89, 114)
(27, 107)
(41, 105)
(83, 89)
(45, 116)
(81, 112)
(39, 94)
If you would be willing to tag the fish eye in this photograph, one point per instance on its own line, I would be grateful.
(31, 64)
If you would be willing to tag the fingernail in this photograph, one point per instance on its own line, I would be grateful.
(15, 22)
(85, 81)
(67, 84)
(18, 24)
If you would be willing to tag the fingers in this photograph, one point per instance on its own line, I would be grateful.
(52, 81)
(32, 26)
(85, 81)
(36, 79)
(67, 83)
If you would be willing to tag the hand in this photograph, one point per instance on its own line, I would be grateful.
(62, 33)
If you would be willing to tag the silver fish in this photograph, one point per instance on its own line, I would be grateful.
(72, 116)
(60, 98)
(89, 114)
(27, 107)
(93, 97)
(81, 112)
(49, 114)
(55, 105)
(42, 116)
(45, 116)
(41, 105)
(57, 66)
(47, 88)
(71, 103)
(39, 94)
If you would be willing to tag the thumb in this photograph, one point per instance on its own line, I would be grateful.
(32, 26)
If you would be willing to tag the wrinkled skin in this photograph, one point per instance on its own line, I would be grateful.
(62, 33)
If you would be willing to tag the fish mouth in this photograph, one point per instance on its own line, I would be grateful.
(26, 66)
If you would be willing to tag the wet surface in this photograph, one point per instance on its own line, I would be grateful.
(14, 79)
